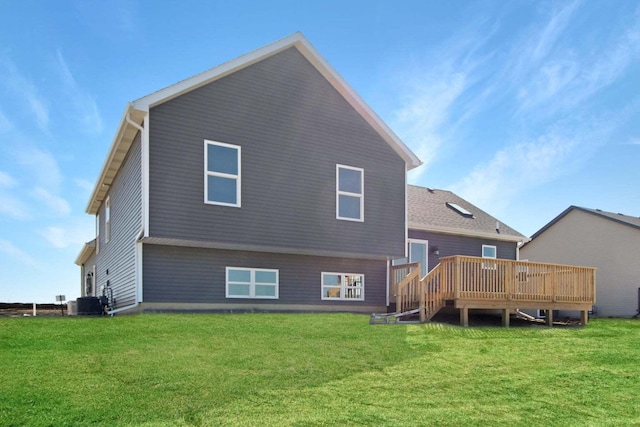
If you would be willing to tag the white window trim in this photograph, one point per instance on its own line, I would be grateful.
(208, 173)
(495, 250)
(343, 287)
(97, 233)
(107, 219)
(252, 283)
(486, 265)
(346, 193)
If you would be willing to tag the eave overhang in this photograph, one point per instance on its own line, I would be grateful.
(469, 233)
(119, 148)
(85, 253)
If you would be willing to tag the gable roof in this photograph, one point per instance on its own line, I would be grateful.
(137, 110)
(439, 211)
(631, 221)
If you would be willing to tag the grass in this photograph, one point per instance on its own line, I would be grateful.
(313, 370)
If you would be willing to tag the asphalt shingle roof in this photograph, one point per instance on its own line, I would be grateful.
(430, 209)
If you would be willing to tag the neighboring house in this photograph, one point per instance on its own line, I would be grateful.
(264, 183)
(442, 224)
(606, 240)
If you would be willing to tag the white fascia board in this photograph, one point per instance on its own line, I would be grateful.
(313, 56)
(87, 250)
(123, 138)
(469, 233)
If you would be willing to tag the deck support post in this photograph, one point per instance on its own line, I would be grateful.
(505, 317)
(550, 317)
(464, 316)
(584, 317)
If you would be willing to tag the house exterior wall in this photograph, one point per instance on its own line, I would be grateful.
(584, 239)
(449, 245)
(87, 267)
(115, 260)
(175, 274)
(293, 128)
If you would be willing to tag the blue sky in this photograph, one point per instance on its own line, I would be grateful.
(522, 107)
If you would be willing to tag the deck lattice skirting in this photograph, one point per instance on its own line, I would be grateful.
(483, 283)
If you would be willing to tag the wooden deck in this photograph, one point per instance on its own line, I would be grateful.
(483, 283)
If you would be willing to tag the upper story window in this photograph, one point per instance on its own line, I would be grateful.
(107, 219)
(97, 233)
(221, 174)
(349, 193)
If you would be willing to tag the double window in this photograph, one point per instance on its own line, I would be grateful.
(342, 286)
(221, 174)
(251, 283)
(349, 193)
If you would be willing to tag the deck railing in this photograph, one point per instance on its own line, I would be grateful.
(506, 283)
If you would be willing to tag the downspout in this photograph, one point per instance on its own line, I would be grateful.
(138, 254)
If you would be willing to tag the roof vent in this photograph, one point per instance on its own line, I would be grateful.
(462, 211)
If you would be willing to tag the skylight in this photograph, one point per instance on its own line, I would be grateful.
(462, 211)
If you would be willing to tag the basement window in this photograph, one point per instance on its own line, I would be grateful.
(258, 283)
(342, 286)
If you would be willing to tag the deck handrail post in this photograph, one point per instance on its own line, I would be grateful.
(456, 276)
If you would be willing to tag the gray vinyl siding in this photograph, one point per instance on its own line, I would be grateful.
(293, 127)
(115, 261)
(449, 244)
(196, 275)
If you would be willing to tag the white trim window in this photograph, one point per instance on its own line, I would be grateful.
(342, 286)
(349, 193)
(107, 219)
(222, 178)
(258, 283)
(489, 251)
(97, 233)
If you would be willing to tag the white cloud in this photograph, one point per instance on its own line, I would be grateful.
(84, 184)
(420, 120)
(24, 87)
(5, 123)
(42, 166)
(554, 73)
(6, 180)
(13, 207)
(524, 165)
(553, 30)
(83, 104)
(73, 233)
(8, 248)
(55, 203)
(515, 169)
(634, 141)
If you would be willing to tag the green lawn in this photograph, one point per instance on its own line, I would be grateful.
(313, 370)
